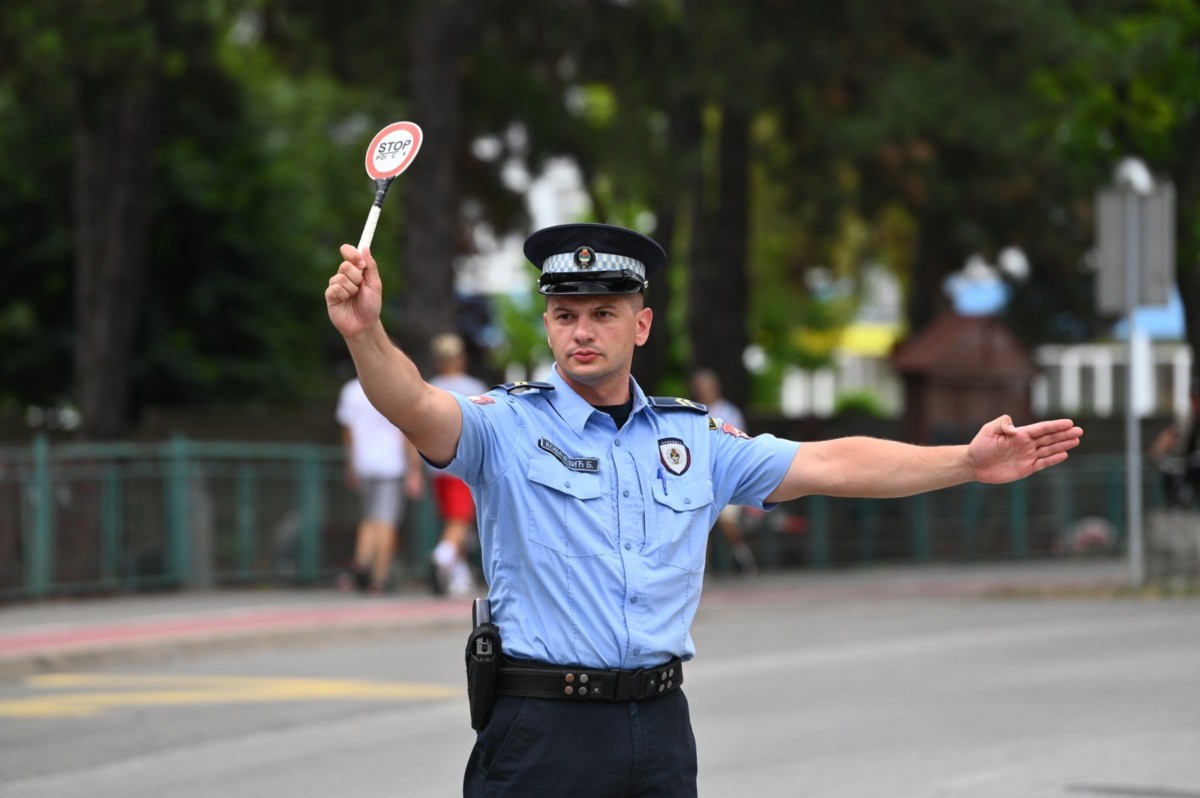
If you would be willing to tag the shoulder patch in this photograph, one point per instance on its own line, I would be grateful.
(675, 403)
(521, 387)
(726, 427)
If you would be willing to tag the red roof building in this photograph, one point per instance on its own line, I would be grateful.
(960, 372)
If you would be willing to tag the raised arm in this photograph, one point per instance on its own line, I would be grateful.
(428, 416)
(874, 468)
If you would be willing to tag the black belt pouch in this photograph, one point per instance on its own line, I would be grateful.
(483, 665)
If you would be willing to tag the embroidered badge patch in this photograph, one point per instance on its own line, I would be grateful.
(729, 429)
(481, 400)
(573, 463)
(674, 455)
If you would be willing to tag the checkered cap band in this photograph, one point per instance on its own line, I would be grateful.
(603, 262)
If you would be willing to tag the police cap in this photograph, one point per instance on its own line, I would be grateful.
(590, 258)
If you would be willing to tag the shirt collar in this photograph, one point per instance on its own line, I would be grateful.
(574, 409)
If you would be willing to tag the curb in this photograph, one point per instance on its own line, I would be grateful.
(55, 647)
(41, 639)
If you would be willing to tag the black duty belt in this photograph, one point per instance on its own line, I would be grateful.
(535, 680)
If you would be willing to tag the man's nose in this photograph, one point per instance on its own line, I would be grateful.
(583, 329)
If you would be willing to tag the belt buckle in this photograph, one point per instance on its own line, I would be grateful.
(648, 682)
(629, 685)
(641, 683)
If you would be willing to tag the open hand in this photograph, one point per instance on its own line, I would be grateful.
(1004, 452)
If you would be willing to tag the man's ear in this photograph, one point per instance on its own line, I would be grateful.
(644, 318)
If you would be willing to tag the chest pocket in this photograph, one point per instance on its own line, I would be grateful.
(684, 516)
(567, 512)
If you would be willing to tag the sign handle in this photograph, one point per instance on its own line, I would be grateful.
(368, 233)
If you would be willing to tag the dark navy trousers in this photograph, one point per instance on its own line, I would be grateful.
(545, 747)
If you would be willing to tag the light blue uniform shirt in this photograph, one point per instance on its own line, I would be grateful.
(594, 539)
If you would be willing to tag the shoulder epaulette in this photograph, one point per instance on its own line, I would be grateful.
(675, 403)
(521, 386)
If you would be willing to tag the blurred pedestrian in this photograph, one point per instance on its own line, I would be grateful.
(451, 566)
(382, 466)
(595, 502)
(1175, 452)
(706, 389)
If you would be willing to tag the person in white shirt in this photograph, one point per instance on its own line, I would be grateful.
(382, 466)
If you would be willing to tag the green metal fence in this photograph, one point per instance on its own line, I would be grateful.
(180, 514)
(190, 514)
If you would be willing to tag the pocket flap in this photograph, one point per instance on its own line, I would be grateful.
(554, 475)
(684, 496)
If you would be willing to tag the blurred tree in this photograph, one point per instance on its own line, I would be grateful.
(643, 156)
(178, 162)
(221, 143)
(35, 166)
(1136, 91)
(689, 80)
(256, 193)
(437, 42)
(464, 71)
(115, 61)
(938, 115)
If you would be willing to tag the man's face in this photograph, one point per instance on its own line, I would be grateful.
(593, 337)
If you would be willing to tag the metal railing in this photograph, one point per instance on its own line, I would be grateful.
(121, 517)
(1075, 508)
(117, 517)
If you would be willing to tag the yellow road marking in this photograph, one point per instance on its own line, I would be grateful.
(81, 695)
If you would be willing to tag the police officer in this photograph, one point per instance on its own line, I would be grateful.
(595, 503)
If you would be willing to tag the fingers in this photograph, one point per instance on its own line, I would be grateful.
(1054, 436)
(339, 292)
(344, 284)
(1056, 446)
(1052, 427)
(1053, 447)
(359, 258)
(1046, 462)
(350, 274)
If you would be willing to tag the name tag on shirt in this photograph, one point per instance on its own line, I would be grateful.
(574, 463)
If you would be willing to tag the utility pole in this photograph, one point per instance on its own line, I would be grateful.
(1135, 220)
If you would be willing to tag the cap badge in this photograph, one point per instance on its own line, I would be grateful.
(585, 257)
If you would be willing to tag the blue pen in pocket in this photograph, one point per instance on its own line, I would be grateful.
(663, 477)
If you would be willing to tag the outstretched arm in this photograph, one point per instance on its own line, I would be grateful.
(874, 468)
(428, 416)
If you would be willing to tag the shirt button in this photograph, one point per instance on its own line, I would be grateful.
(617, 442)
(637, 652)
(625, 493)
(685, 501)
(566, 484)
(628, 546)
(633, 600)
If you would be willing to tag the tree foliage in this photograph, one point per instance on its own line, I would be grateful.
(1136, 92)
(177, 175)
